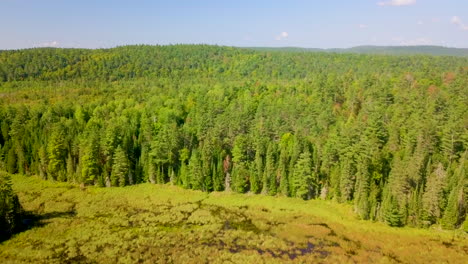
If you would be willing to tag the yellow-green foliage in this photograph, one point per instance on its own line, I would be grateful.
(165, 224)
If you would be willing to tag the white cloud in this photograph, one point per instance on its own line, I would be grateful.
(397, 3)
(457, 21)
(49, 44)
(283, 35)
(362, 26)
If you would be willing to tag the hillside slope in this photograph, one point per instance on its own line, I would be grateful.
(161, 223)
(382, 50)
(385, 133)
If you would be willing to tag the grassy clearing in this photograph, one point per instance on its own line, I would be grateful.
(164, 224)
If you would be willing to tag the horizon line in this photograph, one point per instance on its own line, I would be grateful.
(232, 46)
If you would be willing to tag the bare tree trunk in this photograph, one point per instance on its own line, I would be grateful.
(324, 192)
(130, 178)
(227, 182)
(108, 182)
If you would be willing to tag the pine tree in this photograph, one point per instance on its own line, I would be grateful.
(240, 169)
(393, 216)
(120, 168)
(218, 175)
(184, 178)
(362, 189)
(195, 171)
(347, 177)
(89, 151)
(257, 173)
(271, 170)
(456, 207)
(285, 146)
(432, 197)
(10, 208)
(11, 165)
(414, 207)
(57, 153)
(303, 177)
(207, 168)
(70, 169)
(451, 217)
(43, 162)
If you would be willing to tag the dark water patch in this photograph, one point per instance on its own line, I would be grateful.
(245, 225)
(292, 253)
(295, 251)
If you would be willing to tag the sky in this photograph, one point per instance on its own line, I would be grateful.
(265, 23)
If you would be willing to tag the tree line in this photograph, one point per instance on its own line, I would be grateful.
(388, 134)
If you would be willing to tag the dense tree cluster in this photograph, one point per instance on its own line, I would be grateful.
(386, 133)
(10, 208)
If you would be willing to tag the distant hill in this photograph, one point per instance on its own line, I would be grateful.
(385, 50)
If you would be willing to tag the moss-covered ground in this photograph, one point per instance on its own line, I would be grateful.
(165, 224)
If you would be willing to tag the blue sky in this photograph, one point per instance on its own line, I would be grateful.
(302, 23)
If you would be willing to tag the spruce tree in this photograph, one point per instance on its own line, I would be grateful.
(195, 171)
(10, 208)
(456, 208)
(285, 146)
(347, 176)
(89, 151)
(271, 170)
(393, 215)
(303, 178)
(184, 177)
(120, 168)
(11, 165)
(433, 195)
(257, 173)
(57, 152)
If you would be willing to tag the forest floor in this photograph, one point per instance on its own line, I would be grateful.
(165, 224)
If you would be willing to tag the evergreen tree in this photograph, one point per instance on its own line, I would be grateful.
(218, 175)
(195, 171)
(240, 158)
(57, 153)
(10, 208)
(120, 168)
(257, 173)
(285, 146)
(432, 197)
(362, 205)
(11, 165)
(456, 208)
(89, 151)
(271, 171)
(347, 177)
(184, 176)
(393, 215)
(303, 178)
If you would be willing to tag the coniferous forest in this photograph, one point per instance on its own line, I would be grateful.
(386, 134)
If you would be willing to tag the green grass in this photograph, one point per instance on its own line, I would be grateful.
(165, 224)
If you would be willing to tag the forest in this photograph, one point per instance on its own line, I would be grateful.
(386, 134)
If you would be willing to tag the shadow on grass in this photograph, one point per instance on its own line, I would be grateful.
(29, 220)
